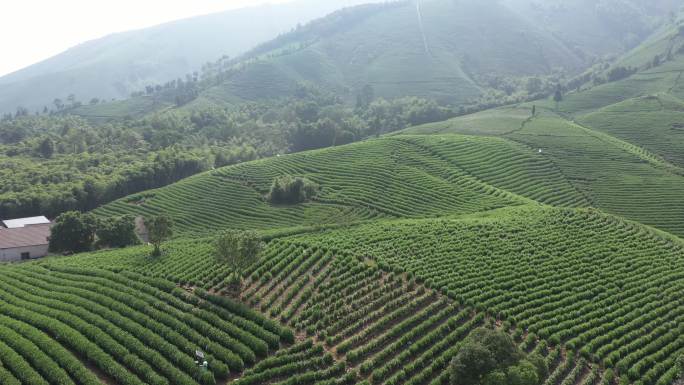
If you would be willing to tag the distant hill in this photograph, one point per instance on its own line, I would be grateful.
(619, 142)
(451, 51)
(594, 28)
(455, 52)
(116, 65)
(437, 49)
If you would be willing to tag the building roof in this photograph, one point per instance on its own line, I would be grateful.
(21, 222)
(31, 235)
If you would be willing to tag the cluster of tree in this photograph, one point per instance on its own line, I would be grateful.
(85, 182)
(491, 357)
(75, 232)
(292, 190)
(319, 125)
(503, 90)
(179, 91)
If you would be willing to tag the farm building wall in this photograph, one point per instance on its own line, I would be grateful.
(13, 255)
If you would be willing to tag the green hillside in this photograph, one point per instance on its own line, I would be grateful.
(431, 49)
(368, 291)
(618, 143)
(589, 281)
(558, 223)
(395, 177)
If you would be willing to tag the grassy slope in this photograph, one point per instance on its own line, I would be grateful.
(612, 174)
(293, 283)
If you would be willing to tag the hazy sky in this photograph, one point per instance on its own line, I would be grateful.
(33, 30)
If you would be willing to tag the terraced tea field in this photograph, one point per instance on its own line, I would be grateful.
(354, 320)
(605, 288)
(414, 240)
(73, 326)
(595, 168)
(387, 178)
(390, 300)
(655, 122)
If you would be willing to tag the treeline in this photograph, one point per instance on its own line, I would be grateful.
(55, 188)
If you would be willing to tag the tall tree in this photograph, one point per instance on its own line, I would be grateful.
(558, 95)
(73, 232)
(238, 250)
(47, 148)
(159, 229)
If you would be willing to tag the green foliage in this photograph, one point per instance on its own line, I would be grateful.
(206, 378)
(292, 190)
(524, 373)
(73, 232)
(238, 249)
(558, 95)
(133, 329)
(490, 356)
(472, 363)
(159, 229)
(117, 232)
(405, 181)
(47, 148)
(619, 73)
(93, 164)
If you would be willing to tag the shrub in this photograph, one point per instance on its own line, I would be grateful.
(291, 190)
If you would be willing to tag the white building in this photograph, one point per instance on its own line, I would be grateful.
(21, 222)
(23, 239)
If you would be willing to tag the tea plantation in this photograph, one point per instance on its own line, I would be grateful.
(560, 228)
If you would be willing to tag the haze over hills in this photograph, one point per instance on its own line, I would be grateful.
(455, 52)
(537, 243)
(116, 65)
(452, 51)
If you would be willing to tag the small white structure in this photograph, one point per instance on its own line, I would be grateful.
(22, 222)
(23, 239)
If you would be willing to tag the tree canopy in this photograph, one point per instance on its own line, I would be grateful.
(117, 232)
(491, 357)
(159, 229)
(73, 232)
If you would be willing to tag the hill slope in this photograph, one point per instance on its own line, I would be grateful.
(619, 143)
(392, 299)
(434, 49)
(116, 65)
(401, 176)
(451, 51)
